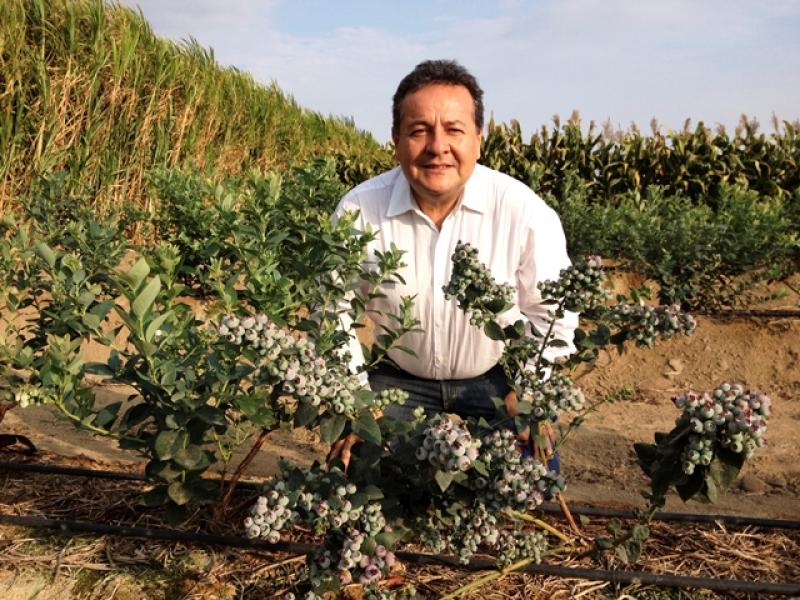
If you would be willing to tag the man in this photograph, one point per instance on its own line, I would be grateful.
(437, 197)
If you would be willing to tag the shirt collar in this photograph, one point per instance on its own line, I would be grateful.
(401, 201)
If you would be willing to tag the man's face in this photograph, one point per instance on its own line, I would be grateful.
(437, 143)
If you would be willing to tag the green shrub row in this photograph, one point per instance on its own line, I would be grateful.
(697, 255)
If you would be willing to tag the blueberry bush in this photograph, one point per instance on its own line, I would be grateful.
(269, 350)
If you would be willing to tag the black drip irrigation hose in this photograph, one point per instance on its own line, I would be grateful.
(548, 507)
(627, 513)
(763, 314)
(26, 467)
(622, 577)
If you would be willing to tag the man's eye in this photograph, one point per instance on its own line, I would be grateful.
(455, 131)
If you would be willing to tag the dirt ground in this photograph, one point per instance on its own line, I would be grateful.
(598, 460)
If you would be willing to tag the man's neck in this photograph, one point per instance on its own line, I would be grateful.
(437, 211)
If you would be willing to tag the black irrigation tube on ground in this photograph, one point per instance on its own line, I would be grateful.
(590, 511)
(26, 467)
(738, 313)
(623, 577)
(627, 513)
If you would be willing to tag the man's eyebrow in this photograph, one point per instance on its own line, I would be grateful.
(415, 122)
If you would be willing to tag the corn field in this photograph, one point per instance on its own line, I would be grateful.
(694, 162)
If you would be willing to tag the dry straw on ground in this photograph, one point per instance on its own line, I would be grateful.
(86, 566)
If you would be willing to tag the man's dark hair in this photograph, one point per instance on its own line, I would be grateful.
(448, 72)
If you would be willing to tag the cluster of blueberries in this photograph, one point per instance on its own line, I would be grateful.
(473, 286)
(551, 397)
(580, 286)
(513, 480)
(325, 502)
(448, 445)
(516, 545)
(500, 479)
(643, 324)
(730, 415)
(294, 363)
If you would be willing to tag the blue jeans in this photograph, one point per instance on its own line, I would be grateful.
(464, 397)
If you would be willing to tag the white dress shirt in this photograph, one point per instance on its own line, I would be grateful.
(518, 237)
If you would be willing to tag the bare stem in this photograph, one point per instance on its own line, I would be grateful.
(237, 474)
(541, 524)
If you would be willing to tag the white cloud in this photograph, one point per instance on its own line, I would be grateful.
(617, 59)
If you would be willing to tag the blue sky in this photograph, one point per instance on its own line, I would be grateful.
(623, 60)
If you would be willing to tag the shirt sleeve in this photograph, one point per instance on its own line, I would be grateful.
(543, 255)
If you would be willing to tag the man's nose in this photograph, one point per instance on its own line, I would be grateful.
(438, 142)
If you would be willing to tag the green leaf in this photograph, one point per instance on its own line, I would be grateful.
(366, 427)
(444, 479)
(307, 325)
(108, 414)
(725, 467)
(640, 532)
(480, 467)
(210, 415)
(524, 407)
(331, 427)
(493, 331)
(499, 405)
(180, 493)
(305, 413)
(633, 548)
(135, 276)
(614, 526)
(135, 415)
(389, 539)
(164, 470)
(44, 251)
(192, 458)
(710, 490)
(155, 325)
(515, 331)
(358, 500)
(91, 321)
(373, 492)
(144, 301)
(693, 486)
(101, 310)
(167, 443)
(99, 369)
(646, 455)
(603, 543)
